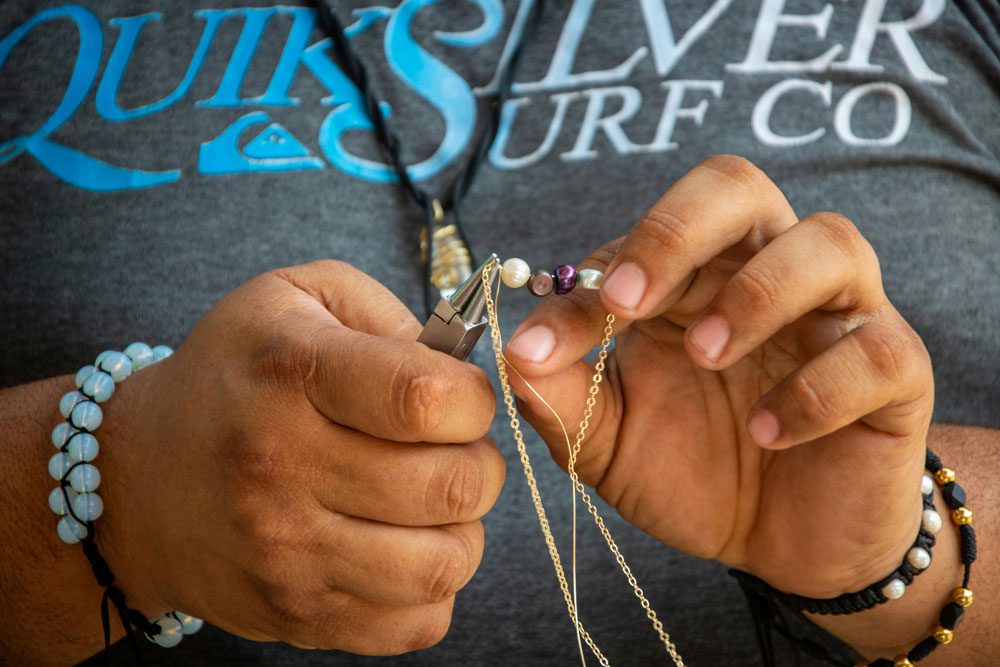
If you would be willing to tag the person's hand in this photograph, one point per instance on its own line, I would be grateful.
(765, 404)
(302, 470)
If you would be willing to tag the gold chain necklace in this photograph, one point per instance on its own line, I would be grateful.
(577, 486)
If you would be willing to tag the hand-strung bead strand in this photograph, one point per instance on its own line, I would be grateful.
(516, 273)
(75, 500)
(518, 269)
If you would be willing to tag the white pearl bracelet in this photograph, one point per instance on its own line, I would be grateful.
(75, 500)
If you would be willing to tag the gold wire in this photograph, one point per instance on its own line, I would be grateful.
(543, 522)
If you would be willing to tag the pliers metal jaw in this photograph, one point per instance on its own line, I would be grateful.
(459, 320)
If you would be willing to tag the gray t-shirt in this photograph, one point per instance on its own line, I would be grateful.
(155, 155)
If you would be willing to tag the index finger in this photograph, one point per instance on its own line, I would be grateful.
(397, 389)
(723, 202)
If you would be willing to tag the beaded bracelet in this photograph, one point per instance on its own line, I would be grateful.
(75, 500)
(890, 587)
(767, 614)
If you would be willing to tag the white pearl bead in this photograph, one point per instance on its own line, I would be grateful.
(932, 521)
(57, 500)
(161, 352)
(189, 624)
(70, 530)
(58, 465)
(87, 416)
(82, 375)
(515, 272)
(84, 478)
(99, 386)
(88, 506)
(894, 589)
(62, 433)
(926, 485)
(83, 447)
(918, 558)
(140, 354)
(170, 633)
(589, 278)
(69, 401)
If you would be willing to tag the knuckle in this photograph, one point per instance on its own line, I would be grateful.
(445, 574)
(815, 405)
(289, 607)
(736, 168)
(429, 632)
(257, 462)
(417, 398)
(456, 487)
(758, 288)
(889, 352)
(661, 228)
(842, 233)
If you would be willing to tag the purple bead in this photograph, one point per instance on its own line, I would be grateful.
(565, 278)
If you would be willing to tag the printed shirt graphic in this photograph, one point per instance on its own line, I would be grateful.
(154, 155)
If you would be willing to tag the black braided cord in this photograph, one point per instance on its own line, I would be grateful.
(767, 609)
(848, 603)
(453, 194)
(130, 618)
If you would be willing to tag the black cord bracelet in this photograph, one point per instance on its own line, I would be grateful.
(767, 610)
(848, 603)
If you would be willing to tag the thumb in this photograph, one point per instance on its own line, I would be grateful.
(556, 405)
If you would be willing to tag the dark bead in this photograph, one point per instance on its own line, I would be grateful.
(565, 278)
(951, 615)
(541, 283)
(954, 495)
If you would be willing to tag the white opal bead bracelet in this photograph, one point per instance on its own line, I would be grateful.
(75, 500)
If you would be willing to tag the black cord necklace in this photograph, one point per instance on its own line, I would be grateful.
(445, 253)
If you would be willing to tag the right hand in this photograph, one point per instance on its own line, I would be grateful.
(291, 473)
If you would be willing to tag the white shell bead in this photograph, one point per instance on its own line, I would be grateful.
(189, 624)
(926, 485)
(84, 478)
(88, 506)
(82, 375)
(932, 521)
(57, 500)
(99, 386)
(140, 354)
(83, 447)
(894, 589)
(87, 416)
(589, 278)
(69, 401)
(515, 272)
(58, 465)
(70, 530)
(62, 433)
(170, 633)
(161, 352)
(918, 558)
(117, 365)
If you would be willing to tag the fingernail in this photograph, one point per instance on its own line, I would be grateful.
(625, 286)
(534, 344)
(763, 427)
(711, 336)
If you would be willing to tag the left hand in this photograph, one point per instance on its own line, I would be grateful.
(765, 405)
